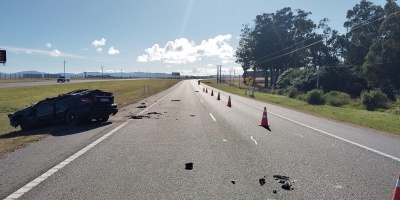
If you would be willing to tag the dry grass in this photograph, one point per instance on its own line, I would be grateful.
(12, 99)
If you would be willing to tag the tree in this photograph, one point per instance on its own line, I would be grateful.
(382, 64)
(362, 25)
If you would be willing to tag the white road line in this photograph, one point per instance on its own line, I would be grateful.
(329, 134)
(298, 135)
(253, 139)
(213, 117)
(61, 165)
(340, 138)
(201, 101)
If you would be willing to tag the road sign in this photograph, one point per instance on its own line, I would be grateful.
(249, 80)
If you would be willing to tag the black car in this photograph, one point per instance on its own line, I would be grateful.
(73, 107)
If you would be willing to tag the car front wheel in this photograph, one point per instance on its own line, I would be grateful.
(24, 124)
(103, 119)
(71, 118)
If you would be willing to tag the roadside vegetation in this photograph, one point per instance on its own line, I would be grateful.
(352, 77)
(373, 110)
(12, 99)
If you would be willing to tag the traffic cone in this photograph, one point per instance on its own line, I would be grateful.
(212, 92)
(229, 101)
(218, 97)
(396, 193)
(264, 120)
(206, 90)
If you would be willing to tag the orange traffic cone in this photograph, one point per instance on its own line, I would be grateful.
(212, 92)
(218, 97)
(396, 193)
(229, 101)
(206, 90)
(264, 120)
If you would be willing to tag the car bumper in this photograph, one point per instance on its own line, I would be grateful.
(98, 111)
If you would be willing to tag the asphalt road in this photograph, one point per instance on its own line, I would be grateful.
(193, 146)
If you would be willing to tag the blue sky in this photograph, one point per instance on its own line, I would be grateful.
(186, 36)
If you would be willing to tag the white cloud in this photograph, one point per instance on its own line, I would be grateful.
(112, 51)
(97, 43)
(48, 45)
(55, 53)
(100, 50)
(182, 51)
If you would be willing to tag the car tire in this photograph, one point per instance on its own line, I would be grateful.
(103, 119)
(24, 124)
(71, 118)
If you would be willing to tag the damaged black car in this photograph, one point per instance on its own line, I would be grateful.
(72, 108)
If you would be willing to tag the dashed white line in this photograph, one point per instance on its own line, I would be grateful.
(253, 139)
(56, 168)
(298, 135)
(213, 117)
(201, 101)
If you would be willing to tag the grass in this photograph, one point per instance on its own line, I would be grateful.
(381, 120)
(12, 99)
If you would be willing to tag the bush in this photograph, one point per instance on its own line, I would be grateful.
(335, 98)
(374, 99)
(315, 97)
(292, 92)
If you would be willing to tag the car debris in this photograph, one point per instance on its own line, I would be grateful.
(284, 180)
(72, 108)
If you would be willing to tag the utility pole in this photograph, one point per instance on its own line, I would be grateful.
(64, 67)
(317, 76)
(220, 75)
(217, 74)
(101, 72)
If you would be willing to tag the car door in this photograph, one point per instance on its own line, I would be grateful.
(45, 110)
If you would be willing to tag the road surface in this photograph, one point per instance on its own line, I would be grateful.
(193, 146)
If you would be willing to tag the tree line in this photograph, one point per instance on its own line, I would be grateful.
(292, 50)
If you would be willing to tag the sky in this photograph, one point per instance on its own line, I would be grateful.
(159, 36)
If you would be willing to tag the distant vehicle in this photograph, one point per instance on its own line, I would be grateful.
(73, 107)
(63, 79)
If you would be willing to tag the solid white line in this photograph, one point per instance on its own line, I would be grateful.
(213, 117)
(340, 138)
(62, 164)
(253, 139)
(329, 134)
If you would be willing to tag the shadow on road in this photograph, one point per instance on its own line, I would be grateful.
(56, 129)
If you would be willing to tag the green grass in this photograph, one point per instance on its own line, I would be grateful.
(12, 99)
(125, 92)
(382, 120)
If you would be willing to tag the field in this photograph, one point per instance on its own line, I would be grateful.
(12, 99)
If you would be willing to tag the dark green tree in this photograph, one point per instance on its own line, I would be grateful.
(362, 24)
(382, 64)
